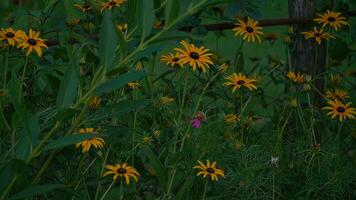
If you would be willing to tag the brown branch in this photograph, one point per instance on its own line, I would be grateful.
(226, 26)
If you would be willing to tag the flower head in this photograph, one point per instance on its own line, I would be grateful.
(248, 30)
(172, 60)
(166, 100)
(196, 57)
(122, 28)
(237, 81)
(97, 142)
(11, 36)
(337, 94)
(31, 42)
(336, 79)
(231, 119)
(122, 170)
(331, 18)
(319, 35)
(341, 110)
(209, 169)
(133, 85)
(94, 103)
(110, 4)
(85, 7)
(296, 77)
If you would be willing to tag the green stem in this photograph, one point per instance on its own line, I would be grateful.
(8, 188)
(107, 191)
(133, 138)
(205, 189)
(23, 77)
(5, 69)
(101, 172)
(273, 184)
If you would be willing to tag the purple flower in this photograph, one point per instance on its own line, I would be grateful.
(195, 122)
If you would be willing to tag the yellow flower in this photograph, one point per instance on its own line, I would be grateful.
(11, 36)
(224, 67)
(336, 79)
(73, 21)
(85, 7)
(341, 110)
(110, 4)
(248, 30)
(196, 57)
(296, 77)
(231, 119)
(97, 142)
(94, 103)
(32, 42)
(331, 18)
(122, 170)
(139, 66)
(166, 100)
(172, 60)
(293, 102)
(157, 133)
(133, 85)
(236, 81)
(337, 94)
(210, 170)
(122, 28)
(319, 35)
(146, 140)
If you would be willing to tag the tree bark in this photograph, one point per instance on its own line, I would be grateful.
(306, 55)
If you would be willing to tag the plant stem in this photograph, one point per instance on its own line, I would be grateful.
(133, 138)
(8, 188)
(23, 77)
(107, 191)
(205, 189)
(5, 69)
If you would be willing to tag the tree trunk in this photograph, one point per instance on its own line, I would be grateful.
(306, 55)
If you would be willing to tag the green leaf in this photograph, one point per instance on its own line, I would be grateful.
(183, 190)
(119, 82)
(339, 50)
(120, 108)
(34, 190)
(68, 141)
(172, 10)
(108, 41)
(146, 13)
(68, 87)
(158, 167)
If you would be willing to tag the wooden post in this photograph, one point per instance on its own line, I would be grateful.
(306, 55)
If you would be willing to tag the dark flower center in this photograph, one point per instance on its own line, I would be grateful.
(32, 41)
(210, 170)
(112, 3)
(121, 171)
(86, 6)
(194, 55)
(317, 34)
(175, 59)
(249, 29)
(340, 109)
(240, 82)
(331, 19)
(9, 35)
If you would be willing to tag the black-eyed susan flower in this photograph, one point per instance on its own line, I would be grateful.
(296, 77)
(11, 36)
(84, 7)
(94, 103)
(337, 94)
(110, 4)
(331, 18)
(157, 133)
(209, 169)
(166, 100)
(133, 85)
(31, 42)
(122, 170)
(318, 35)
(122, 28)
(196, 57)
(171, 60)
(340, 110)
(231, 118)
(248, 30)
(97, 142)
(138, 66)
(146, 139)
(237, 81)
(336, 78)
